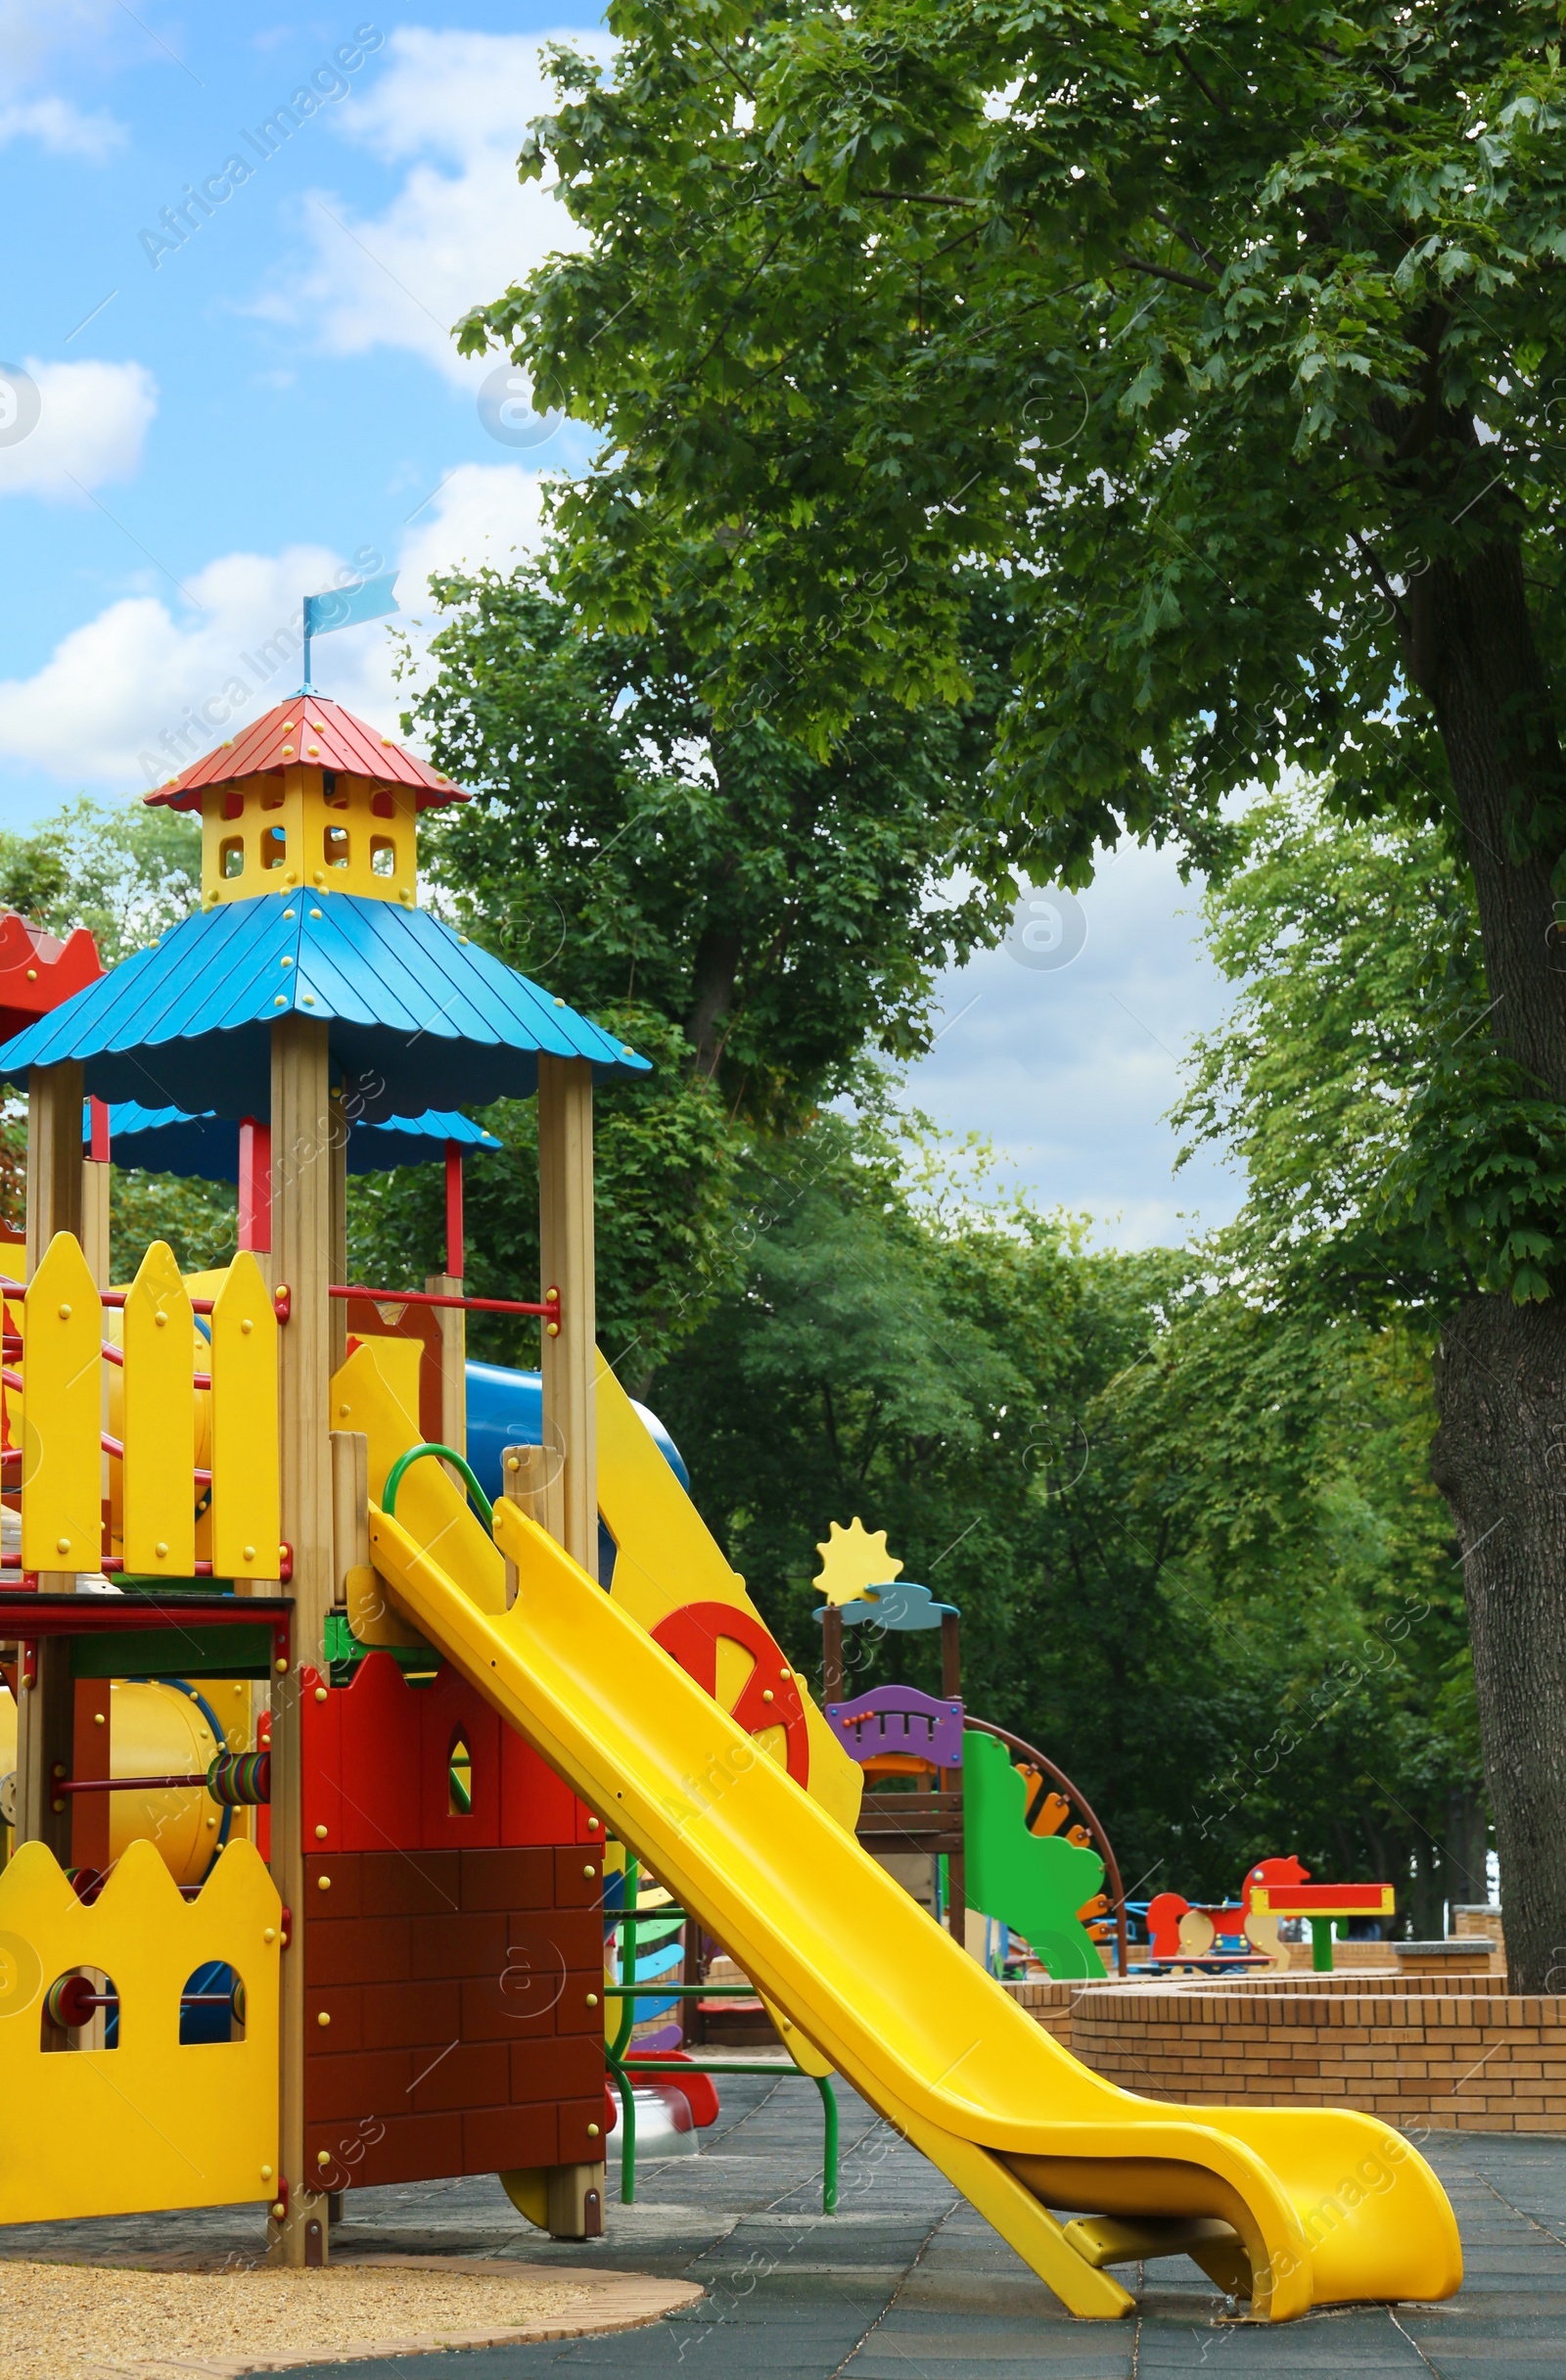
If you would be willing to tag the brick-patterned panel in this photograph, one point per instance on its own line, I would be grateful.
(466, 2022)
(1472, 2061)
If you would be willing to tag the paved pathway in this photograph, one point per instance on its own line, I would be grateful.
(907, 2283)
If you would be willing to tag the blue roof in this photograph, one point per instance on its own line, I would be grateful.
(167, 1140)
(418, 1015)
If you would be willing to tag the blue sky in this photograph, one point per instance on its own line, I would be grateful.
(227, 423)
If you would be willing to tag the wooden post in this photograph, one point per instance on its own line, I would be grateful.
(566, 1250)
(950, 1779)
(46, 1712)
(302, 1209)
(523, 1482)
(832, 1654)
(453, 1367)
(338, 1260)
(94, 1181)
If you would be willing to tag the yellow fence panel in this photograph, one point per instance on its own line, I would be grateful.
(159, 1419)
(246, 1509)
(62, 1512)
(152, 2124)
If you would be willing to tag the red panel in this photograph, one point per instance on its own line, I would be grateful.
(475, 2074)
(589, 1828)
(489, 2013)
(358, 1950)
(406, 2016)
(460, 1945)
(578, 1878)
(331, 1887)
(497, 2139)
(89, 1757)
(343, 2003)
(411, 1883)
(580, 2146)
(380, 1739)
(322, 1762)
(536, 1805)
(449, 1709)
(369, 2083)
(557, 2069)
(523, 1877)
(395, 2148)
(574, 2012)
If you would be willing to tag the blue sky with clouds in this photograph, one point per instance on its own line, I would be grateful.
(237, 245)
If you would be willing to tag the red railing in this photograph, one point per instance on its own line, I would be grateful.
(548, 1308)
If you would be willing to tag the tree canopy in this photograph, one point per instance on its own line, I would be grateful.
(782, 911)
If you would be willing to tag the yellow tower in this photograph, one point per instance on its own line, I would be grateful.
(309, 798)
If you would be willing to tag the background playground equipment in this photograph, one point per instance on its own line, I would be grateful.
(1006, 1839)
(1185, 1936)
(457, 1722)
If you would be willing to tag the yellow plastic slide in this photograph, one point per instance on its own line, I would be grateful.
(1299, 2207)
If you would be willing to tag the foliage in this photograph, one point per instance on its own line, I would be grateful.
(1160, 305)
(664, 1161)
(781, 909)
(123, 872)
(1235, 339)
(1197, 1558)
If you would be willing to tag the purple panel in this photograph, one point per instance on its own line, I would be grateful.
(899, 1718)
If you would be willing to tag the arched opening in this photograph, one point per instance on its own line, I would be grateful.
(383, 855)
(459, 1779)
(231, 856)
(212, 2006)
(335, 845)
(81, 2011)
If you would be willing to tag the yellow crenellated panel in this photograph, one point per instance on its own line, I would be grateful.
(159, 1489)
(246, 1522)
(151, 2123)
(62, 1517)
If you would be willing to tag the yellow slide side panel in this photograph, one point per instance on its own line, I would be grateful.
(882, 1992)
(159, 1489)
(247, 1511)
(148, 2124)
(62, 1515)
(377, 1391)
(666, 1556)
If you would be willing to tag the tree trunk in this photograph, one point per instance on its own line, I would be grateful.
(1500, 1460)
(717, 965)
(1499, 1452)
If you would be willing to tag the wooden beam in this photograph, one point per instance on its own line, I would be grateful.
(452, 1323)
(337, 1258)
(566, 1250)
(302, 1222)
(46, 1710)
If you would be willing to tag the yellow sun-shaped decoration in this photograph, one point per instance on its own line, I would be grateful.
(853, 1559)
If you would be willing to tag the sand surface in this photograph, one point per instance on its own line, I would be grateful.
(75, 2320)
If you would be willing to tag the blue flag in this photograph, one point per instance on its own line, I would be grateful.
(345, 607)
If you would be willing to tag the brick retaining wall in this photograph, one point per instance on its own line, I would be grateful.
(1477, 2061)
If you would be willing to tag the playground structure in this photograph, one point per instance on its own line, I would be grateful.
(456, 1713)
(1190, 1938)
(1004, 1839)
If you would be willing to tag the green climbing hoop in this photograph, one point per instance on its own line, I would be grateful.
(446, 1453)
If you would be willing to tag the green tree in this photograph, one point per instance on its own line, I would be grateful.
(123, 872)
(782, 911)
(1237, 338)
(1035, 1424)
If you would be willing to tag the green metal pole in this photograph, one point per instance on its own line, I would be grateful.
(829, 2143)
(628, 2135)
(1321, 1944)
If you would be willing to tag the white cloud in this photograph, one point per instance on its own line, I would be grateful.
(135, 694)
(1071, 1073)
(453, 109)
(61, 125)
(91, 421)
(31, 39)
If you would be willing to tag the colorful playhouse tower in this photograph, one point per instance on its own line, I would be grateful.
(423, 1721)
(421, 1994)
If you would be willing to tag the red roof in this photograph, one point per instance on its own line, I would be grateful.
(312, 729)
(37, 971)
